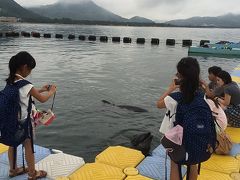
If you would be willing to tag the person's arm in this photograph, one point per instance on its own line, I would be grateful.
(171, 88)
(225, 101)
(208, 91)
(42, 97)
(44, 88)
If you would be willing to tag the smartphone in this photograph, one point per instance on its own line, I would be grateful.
(177, 81)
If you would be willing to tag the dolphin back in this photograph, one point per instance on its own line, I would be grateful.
(130, 108)
(107, 102)
(133, 108)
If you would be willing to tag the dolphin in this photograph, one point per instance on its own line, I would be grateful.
(130, 108)
(142, 142)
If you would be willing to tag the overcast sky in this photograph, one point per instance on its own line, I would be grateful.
(158, 9)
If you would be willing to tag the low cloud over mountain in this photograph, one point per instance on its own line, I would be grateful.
(228, 20)
(13, 9)
(78, 10)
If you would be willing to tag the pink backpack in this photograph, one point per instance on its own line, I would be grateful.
(172, 142)
(219, 114)
(175, 134)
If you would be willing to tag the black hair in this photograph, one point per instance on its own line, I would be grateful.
(20, 59)
(189, 70)
(225, 76)
(214, 70)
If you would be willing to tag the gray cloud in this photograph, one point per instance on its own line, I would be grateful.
(73, 1)
(154, 3)
(27, 3)
(157, 9)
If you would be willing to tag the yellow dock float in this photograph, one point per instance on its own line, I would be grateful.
(236, 74)
(234, 134)
(120, 157)
(119, 163)
(3, 148)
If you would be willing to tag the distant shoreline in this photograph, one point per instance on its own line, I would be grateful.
(107, 23)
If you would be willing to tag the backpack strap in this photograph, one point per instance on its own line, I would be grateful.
(29, 109)
(199, 167)
(165, 162)
(14, 157)
(177, 96)
(19, 84)
(188, 171)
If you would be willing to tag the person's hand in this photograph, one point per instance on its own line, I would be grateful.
(53, 88)
(173, 86)
(45, 88)
(203, 83)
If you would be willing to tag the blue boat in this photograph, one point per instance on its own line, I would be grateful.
(220, 49)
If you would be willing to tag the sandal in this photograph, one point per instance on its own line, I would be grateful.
(17, 172)
(37, 175)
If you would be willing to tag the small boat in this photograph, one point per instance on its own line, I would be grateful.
(220, 49)
(223, 45)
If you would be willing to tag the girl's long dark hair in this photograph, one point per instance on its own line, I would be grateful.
(20, 59)
(225, 76)
(189, 70)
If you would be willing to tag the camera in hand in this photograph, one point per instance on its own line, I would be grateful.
(177, 81)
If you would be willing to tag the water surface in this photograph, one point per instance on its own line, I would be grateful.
(88, 72)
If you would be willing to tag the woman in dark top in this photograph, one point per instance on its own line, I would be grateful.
(231, 98)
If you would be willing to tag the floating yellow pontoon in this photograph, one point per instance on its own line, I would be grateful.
(119, 163)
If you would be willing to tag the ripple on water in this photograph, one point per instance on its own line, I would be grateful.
(88, 72)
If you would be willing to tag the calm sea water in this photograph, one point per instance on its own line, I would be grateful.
(88, 72)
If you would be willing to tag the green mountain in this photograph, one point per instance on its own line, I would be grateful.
(138, 19)
(228, 21)
(12, 9)
(83, 10)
